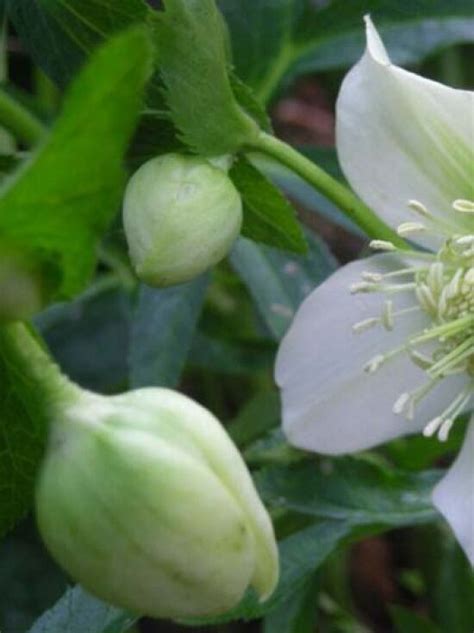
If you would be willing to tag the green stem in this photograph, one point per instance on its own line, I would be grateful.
(26, 355)
(20, 121)
(335, 191)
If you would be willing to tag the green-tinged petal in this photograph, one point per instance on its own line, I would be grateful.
(329, 403)
(402, 137)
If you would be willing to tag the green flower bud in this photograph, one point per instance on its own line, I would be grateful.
(145, 501)
(181, 215)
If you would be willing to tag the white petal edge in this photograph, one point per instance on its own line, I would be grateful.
(402, 137)
(329, 403)
(454, 495)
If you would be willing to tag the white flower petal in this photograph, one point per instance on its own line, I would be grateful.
(330, 404)
(402, 137)
(454, 495)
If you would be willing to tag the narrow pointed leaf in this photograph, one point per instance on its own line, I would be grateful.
(60, 201)
(192, 50)
(162, 332)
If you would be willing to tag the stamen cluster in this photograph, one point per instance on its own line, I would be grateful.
(442, 286)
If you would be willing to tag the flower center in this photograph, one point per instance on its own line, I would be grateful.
(442, 287)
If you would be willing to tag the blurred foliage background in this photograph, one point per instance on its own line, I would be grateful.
(362, 549)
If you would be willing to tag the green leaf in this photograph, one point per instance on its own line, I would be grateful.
(272, 449)
(273, 42)
(297, 614)
(89, 337)
(261, 34)
(350, 490)
(300, 555)
(268, 216)
(278, 282)
(452, 587)
(60, 35)
(61, 200)
(419, 452)
(260, 414)
(191, 43)
(408, 622)
(231, 357)
(29, 579)
(79, 612)
(162, 332)
(334, 37)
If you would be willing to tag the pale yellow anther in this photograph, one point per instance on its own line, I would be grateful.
(463, 206)
(442, 289)
(382, 245)
(420, 208)
(407, 228)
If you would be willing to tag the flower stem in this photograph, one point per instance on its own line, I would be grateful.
(23, 352)
(335, 191)
(20, 121)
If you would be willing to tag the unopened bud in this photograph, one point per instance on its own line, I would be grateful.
(145, 501)
(181, 216)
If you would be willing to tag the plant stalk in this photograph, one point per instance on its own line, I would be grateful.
(26, 355)
(335, 191)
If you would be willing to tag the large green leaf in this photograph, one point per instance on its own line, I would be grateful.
(352, 491)
(61, 34)
(277, 281)
(162, 332)
(278, 40)
(191, 42)
(59, 202)
(89, 337)
(79, 612)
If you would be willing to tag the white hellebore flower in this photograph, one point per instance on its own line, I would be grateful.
(392, 336)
